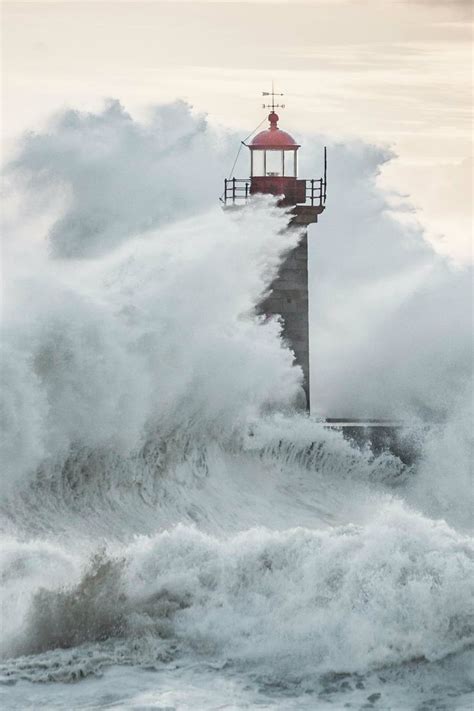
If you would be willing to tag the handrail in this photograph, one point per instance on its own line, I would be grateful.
(237, 190)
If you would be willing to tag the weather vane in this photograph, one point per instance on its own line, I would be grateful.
(272, 106)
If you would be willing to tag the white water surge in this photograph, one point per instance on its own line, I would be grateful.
(175, 535)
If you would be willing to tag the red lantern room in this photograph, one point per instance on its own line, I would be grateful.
(274, 164)
(274, 170)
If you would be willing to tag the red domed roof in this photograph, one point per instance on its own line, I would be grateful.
(273, 137)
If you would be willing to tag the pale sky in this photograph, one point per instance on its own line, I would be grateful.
(393, 72)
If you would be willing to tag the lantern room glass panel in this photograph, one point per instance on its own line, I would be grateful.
(258, 163)
(274, 162)
(289, 164)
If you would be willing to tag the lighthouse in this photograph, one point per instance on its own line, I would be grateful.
(273, 170)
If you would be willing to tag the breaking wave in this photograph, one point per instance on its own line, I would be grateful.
(165, 506)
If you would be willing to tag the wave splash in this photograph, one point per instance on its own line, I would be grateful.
(164, 505)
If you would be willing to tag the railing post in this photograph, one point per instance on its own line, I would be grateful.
(233, 190)
(225, 190)
(325, 173)
(246, 190)
(312, 191)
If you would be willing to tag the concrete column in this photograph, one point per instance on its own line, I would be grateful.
(289, 299)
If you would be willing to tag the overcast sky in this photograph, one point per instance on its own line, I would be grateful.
(388, 71)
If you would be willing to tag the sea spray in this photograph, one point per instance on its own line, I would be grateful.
(164, 506)
(157, 336)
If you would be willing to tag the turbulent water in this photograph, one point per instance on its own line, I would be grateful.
(174, 534)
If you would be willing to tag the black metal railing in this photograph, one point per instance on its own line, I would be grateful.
(237, 191)
(315, 191)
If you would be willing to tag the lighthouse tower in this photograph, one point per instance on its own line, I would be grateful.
(274, 171)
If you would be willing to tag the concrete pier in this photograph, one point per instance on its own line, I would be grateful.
(392, 436)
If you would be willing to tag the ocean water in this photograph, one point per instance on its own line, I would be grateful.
(175, 535)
